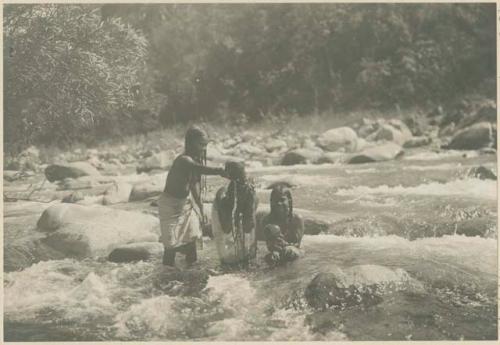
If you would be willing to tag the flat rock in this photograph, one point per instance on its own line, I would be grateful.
(91, 231)
(384, 152)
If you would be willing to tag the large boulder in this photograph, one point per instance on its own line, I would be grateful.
(59, 172)
(91, 231)
(132, 252)
(384, 152)
(357, 285)
(394, 130)
(301, 156)
(474, 137)
(339, 138)
(117, 193)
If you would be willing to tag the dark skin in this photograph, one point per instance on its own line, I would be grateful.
(185, 174)
(292, 230)
(185, 177)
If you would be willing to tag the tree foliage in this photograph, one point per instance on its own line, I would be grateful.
(66, 71)
(68, 66)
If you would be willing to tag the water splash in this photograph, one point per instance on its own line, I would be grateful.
(470, 187)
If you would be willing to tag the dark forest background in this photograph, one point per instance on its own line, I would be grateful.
(80, 73)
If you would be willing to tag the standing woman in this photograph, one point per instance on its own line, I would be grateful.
(180, 205)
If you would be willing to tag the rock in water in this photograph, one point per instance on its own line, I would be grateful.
(117, 193)
(482, 173)
(301, 156)
(186, 282)
(338, 138)
(59, 172)
(417, 142)
(90, 231)
(357, 285)
(473, 138)
(384, 152)
(143, 251)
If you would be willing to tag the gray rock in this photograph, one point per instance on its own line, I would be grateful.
(301, 156)
(338, 138)
(482, 173)
(145, 190)
(474, 137)
(143, 251)
(357, 285)
(90, 231)
(395, 131)
(384, 152)
(417, 142)
(59, 172)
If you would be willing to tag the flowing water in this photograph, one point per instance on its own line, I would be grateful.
(410, 215)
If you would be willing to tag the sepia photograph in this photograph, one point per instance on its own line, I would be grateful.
(250, 172)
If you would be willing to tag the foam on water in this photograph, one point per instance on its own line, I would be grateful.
(470, 187)
(153, 318)
(301, 180)
(48, 287)
(233, 292)
(425, 156)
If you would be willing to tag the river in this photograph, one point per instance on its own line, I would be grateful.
(407, 214)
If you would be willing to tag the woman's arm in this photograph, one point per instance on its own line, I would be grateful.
(201, 169)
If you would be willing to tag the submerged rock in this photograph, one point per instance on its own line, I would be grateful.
(90, 231)
(59, 172)
(187, 282)
(132, 252)
(357, 285)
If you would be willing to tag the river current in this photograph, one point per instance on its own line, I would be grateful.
(409, 214)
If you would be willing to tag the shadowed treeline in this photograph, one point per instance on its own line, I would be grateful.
(87, 72)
